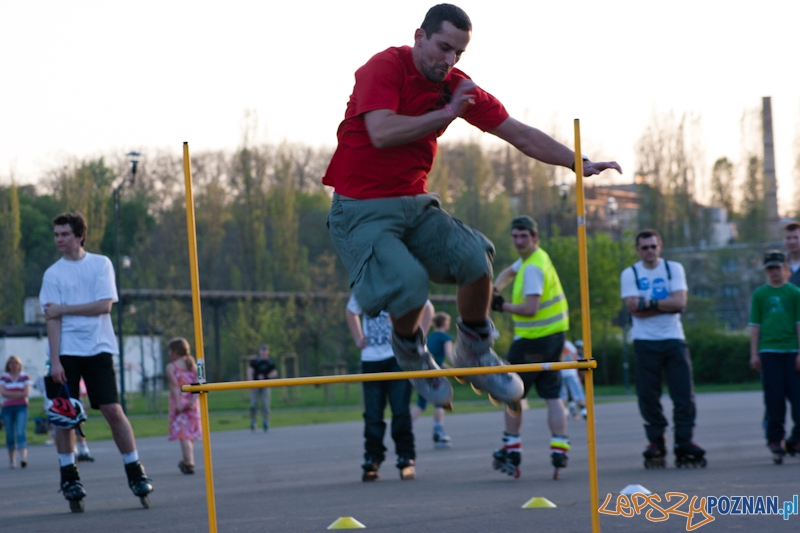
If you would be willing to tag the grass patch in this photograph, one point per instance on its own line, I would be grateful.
(295, 406)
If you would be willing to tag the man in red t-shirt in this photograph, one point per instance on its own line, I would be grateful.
(391, 234)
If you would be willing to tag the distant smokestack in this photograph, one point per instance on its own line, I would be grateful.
(770, 181)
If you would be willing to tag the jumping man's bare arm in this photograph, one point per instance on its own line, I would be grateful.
(100, 307)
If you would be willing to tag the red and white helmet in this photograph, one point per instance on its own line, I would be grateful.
(65, 413)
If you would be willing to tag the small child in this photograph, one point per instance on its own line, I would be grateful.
(440, 344)
(184, 411)
(774, 344)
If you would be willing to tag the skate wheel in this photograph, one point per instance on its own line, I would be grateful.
(703, 462)
(76, 506)
(408, 473)
(514, 409)
(369, 476)
(475, 389)
(516, 473)
(646, 464)
(145, 501)
(461, 380)
(494, 400)
(778, 460)
(555, 474)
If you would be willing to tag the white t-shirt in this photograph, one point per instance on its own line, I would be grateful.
(533, 278)
(570, 354)
(88, 280)
(655, 285)
(377, 330)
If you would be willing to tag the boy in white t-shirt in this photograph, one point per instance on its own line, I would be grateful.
(373, 336)
(77, 294)
(654, 291)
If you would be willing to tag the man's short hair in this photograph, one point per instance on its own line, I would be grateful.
(75, 221)
(524, 222)
(792, 226)
(440, 13)
(646, 234)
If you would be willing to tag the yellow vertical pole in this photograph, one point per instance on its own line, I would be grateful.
(583, 265)
(198, 338)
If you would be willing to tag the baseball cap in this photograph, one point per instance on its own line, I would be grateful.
(774, 258)
(525, 222)
(579, 343)
(264, 347)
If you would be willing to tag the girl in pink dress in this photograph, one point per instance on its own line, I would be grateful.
(184, 411)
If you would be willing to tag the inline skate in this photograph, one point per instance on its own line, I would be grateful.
(689, 455)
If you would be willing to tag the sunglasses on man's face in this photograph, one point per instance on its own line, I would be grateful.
(648, 247)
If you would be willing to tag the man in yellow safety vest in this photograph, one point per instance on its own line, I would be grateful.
(541, 316)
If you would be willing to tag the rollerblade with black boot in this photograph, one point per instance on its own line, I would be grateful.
(140, 484)
(655, 455)
(71, 488)
(689, 455)
(508, 458)
(792, 447)
(406, 467)
(370, 467)
(559, 446)
(84, 457)
(778, 451)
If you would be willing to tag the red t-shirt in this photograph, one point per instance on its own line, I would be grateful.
(390, 80)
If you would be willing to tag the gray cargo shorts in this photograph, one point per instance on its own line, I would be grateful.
(392, 247)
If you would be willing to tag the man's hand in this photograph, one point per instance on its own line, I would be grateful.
(461, 99)
(362, 343)
(592, 168)
(497, 301)
(57, 372)
(53, 311)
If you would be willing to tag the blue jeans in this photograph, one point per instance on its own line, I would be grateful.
(15, 418)
(376, 393)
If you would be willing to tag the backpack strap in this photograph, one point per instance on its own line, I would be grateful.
(636, 277)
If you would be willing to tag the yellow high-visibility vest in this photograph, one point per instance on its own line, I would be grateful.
(553, 314)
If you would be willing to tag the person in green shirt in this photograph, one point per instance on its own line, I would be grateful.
(774, 345)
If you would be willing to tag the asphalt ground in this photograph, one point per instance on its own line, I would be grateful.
(301, 479)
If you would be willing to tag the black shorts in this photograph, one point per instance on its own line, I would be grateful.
(98, 373)
(542, 350)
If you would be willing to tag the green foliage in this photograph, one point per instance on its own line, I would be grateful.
(719, 356)
(11, 258)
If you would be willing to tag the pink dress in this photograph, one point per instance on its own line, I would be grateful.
(184, 425)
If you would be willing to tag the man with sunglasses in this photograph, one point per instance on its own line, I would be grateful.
(654, 291)
(392, 235)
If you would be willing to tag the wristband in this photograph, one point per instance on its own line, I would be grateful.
(573, 163)
(451, 112)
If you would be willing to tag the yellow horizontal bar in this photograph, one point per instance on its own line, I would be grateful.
(388, 376)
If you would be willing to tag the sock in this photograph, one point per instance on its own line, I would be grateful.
(129, 458)
(82, 448)
(559, 444)
(66, 459)
(512, 441)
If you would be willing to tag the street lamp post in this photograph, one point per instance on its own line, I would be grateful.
(133, 157)
(612, 207)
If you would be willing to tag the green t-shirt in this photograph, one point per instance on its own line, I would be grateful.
(777, 312)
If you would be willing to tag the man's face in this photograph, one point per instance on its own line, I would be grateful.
(66, 241)
(649, 249)
(263, 352)
(791, 239)
(437, 55)
(523, 240)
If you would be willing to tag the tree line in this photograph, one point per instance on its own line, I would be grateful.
(261, 226)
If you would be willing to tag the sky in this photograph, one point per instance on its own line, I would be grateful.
(84, 79)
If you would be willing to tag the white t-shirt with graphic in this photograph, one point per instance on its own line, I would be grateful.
(377, 330)
(87, 280)
(655, 284)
